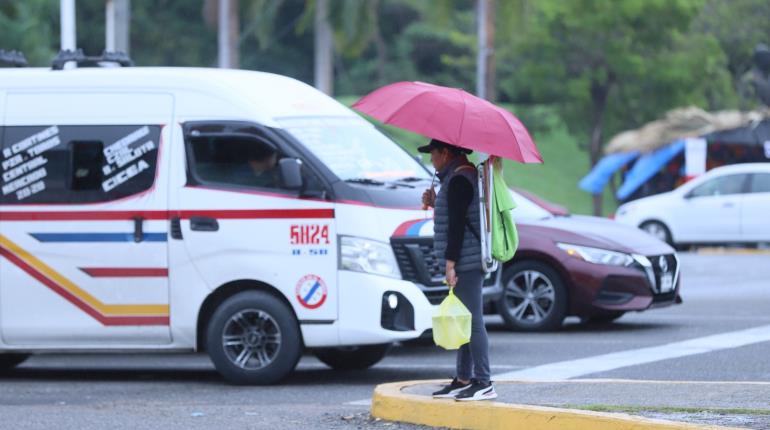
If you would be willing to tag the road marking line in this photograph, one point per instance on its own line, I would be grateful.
(606, 362)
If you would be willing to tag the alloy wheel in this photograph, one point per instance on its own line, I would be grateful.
(251, 339)
(529, 296)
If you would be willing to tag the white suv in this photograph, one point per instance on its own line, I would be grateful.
(727, 204)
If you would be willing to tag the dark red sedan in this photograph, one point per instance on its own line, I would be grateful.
(589, 267)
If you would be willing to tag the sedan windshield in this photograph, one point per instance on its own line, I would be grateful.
(354, 149)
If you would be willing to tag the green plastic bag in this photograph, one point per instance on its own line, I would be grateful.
(451, 323)
(505, 237)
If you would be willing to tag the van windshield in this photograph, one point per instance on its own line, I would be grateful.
(354, 149)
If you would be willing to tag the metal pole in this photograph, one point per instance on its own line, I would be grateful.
(109, 25)
(481, 55)
(223, 33)
(68, 33)
(122, 25)
(324, 49)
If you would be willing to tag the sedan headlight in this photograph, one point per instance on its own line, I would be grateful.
(597, 255)
(368, 256)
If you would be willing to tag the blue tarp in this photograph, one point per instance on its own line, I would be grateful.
(598, 177)
(647, 166)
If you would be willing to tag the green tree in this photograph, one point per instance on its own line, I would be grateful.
(738, 26)
(31, 27)
(612, 65)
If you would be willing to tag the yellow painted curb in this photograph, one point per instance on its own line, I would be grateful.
(391, 403)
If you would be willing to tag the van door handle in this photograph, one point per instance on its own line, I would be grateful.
(728, 205)
(138, 230)
(203, 223)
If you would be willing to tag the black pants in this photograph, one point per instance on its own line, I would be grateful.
(473, 357)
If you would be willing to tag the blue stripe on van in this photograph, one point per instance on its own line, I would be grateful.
(414, 230)
(97, 237)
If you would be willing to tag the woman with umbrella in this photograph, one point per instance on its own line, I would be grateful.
(457, 245)
(458, 123)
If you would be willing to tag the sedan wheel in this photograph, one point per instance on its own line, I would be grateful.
(534, 297)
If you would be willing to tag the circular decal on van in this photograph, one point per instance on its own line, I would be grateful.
(311, 291)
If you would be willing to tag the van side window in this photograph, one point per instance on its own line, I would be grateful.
(87, 160)
(77, 164)
(239, 160)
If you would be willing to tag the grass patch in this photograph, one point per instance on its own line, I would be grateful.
(665, 409)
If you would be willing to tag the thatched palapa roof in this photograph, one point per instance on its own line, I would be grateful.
(678, 124)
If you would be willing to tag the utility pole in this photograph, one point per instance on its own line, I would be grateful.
(228, 34)
(117, 28)
(485, 59)
(68, 39)
(324, 49)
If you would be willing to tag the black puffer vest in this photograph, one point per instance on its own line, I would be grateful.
(470, 252)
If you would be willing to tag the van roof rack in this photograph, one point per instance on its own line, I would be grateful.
(12, 58)
(65, 56)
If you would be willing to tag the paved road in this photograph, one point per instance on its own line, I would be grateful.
(722, 294)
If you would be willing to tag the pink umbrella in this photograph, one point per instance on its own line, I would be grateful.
(453, 116)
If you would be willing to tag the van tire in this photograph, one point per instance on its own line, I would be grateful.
(514, 282)
(9, 361)
(263, 335)
(352, 357)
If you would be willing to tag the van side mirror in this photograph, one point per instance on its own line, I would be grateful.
(291, 174)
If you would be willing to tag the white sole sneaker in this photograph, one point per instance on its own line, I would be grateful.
(485, 394)
(449, 395)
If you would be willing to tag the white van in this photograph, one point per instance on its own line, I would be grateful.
(241, 213)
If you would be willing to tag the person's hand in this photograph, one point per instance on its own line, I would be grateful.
(451, 276)
(429, 198)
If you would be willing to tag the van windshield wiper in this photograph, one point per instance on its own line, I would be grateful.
(412, 179)
(365, 181)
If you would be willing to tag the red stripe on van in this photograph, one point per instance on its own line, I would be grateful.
(164, 215)
(259, 213)
(122, 272)
(105, 320)
(81, 215)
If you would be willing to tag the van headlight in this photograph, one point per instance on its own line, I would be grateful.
(368, 256)
(597, 255)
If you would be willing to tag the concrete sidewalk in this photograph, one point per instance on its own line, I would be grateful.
(563, 404)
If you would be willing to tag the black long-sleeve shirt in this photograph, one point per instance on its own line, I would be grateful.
(459, 198)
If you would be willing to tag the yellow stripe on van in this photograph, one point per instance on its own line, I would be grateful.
(102, 308)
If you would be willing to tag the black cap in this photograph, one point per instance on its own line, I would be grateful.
(438, 144)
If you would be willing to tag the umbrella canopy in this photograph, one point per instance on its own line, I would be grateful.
(453, 116)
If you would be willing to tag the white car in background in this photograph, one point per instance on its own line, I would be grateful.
(728, 204)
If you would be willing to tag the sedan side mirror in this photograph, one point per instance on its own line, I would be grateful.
(291, 174)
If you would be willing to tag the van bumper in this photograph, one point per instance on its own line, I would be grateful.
(366, 314)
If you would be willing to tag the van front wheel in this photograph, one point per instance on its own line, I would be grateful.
(253, 339)
(352, 357)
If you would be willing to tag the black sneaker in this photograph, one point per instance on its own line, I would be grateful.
(449, 391)
(477, 391)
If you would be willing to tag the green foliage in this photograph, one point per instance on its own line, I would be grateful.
(737, 26)
(32, 27)
(634, 52)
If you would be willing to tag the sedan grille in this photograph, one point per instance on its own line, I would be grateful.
(664, 273)
(419, 264)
